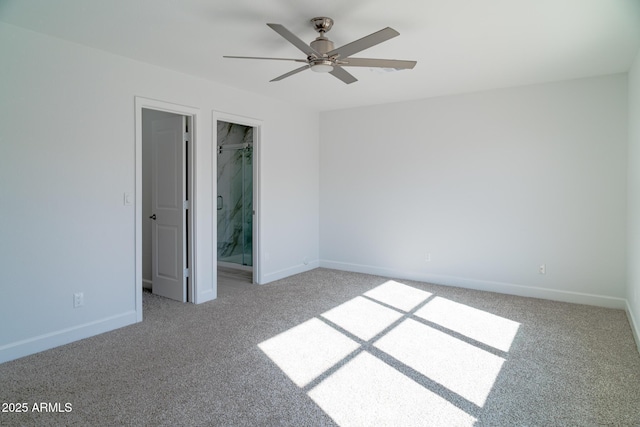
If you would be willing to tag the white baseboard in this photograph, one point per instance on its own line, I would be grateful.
(206, 295)
(209, 295)
(483, 285)
(43, 342)
(281, 274)
(635, 327)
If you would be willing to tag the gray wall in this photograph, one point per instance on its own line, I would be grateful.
(67, 157)
(633, 257)
(491, 185)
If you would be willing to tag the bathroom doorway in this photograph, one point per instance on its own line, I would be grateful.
(235, 200)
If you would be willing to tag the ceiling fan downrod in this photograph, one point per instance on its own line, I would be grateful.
(322, 45)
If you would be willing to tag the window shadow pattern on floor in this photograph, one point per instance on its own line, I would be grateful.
(396, 355)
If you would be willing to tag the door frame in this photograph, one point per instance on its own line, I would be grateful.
(192, 115)
(256, 124)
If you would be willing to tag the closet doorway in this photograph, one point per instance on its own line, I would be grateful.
(184, 201)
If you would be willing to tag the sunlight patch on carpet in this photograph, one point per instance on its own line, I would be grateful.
(460, 367)
(365, 363)
(368, 392)
(362, 317)
(398, 295)
(306, 351)
(479, 325)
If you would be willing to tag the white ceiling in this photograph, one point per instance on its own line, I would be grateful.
(460, 45)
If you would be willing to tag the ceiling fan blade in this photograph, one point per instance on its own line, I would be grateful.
(364, 43)
(261, 57)
(382, 63)
(343, 75)
(294, 40)
(290, 73)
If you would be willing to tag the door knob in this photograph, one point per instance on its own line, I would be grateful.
(153, 217)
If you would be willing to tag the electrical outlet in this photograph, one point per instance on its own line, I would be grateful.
(542, 269)
(427, 257)
(78, 300)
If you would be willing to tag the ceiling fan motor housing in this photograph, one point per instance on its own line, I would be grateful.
(322, 45)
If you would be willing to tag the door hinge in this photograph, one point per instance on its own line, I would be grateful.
(186, 272)
(186, 205)
(186, 137)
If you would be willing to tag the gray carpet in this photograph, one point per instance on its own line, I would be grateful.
(336, 348)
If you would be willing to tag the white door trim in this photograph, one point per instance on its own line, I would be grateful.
(194, 114)
(256, 124)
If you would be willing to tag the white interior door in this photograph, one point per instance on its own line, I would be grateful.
(168, 248)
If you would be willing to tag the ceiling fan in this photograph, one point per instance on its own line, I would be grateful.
(322, 57)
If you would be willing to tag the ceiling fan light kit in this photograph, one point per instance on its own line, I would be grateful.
(321, 66)
(323, 57)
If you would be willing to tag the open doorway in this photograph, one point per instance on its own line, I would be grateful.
(197, 291)
(236, 182)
